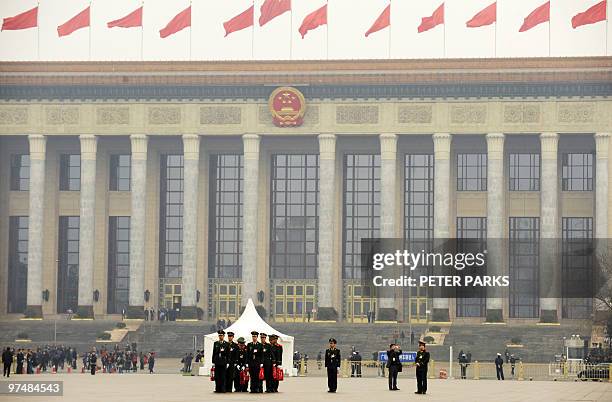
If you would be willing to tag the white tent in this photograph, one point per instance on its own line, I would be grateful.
(250, 321)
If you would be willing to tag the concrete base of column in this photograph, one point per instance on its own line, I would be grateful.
(549, 316)
(33, 312)
(440, 315)
(327, 314)
(85, 312)
(495, 315)
(189, 313)
(135, 312)
(386, 314)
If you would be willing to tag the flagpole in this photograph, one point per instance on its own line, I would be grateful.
(253, 34)
(142, 31)
(291, 33)
(327, 30)
(390, 27)
(38, 31)
(190, 29)
(90, 31)
(444, 40)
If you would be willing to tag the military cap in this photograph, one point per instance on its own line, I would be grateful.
(241, 340)
(333, 340)
(221, 332)
(273, 336)
(230, 334)
(421, 343)
(262, 334)
(254, 333)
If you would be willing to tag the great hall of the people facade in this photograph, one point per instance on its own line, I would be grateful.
(168, 185)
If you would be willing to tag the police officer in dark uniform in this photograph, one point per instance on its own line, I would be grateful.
(229, 375)
(332, 363)
(277, 358)
(240, 361)
(254, 355)
(394, 365)
(421, 362)
(220, 359)
(267, 359)
(93, 359)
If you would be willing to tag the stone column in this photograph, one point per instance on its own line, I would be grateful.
(87, 244)
(191, 166)
(138, 184)
(601, 185)
(442, 189)
(388, 205)
(495, 222)
(250, 217)
(549, 224)
(35, 231)
(327, 211)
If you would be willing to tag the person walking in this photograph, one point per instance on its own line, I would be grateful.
(394, 365)
(151, 362)
(7, 360)
(421, 362)
(332, 363)
(499, 367)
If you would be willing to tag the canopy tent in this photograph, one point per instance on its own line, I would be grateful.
(250, 321)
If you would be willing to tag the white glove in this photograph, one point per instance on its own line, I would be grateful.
(227, 366)
(261, 365)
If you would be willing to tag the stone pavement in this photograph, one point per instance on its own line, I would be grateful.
(176, 388)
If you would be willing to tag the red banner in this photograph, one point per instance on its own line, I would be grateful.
(81, 20)
(239, 22)
(133, 19)
(271, 9)
(437, 18)
(181, 21)
(383, 21)
(314, 20)
(592, 15)
(485, 17)
(25, 20)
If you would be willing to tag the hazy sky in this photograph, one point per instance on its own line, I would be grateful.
(343, 38)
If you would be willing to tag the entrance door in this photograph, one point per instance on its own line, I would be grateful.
(294, 302)
(359, 303)
(226, 301)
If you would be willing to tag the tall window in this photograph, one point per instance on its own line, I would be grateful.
(171, 217)
(18, 264)
(577, 172)
(225, 228)
(361, 208)
(577, 265)
(471, 235)
(118, 263)
(70, 172)
(471, 172)
(294, 234)
(524, 265)
(524, 172)
(418, 201)
(20, 172)
(68, 270)
(120, 166)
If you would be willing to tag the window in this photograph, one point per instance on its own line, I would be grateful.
(68, 270)
(471, 172)
(418, 201)
(171, 217)
(20, 172)
(18, 264)
(118, 263)
(225, 229)
(577, 174)
(70, 172)
(524, 172)
(361, 208)
(294, 234)
(524, 266)
(120, 166)
(471, 236)
(576, 266)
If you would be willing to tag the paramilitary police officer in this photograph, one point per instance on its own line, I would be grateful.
(332, 363)
(240, 364)
(421, 362)
(267, 359)
(277, 358)
(229, 375)
(220, 359)
(254, 355)
(394, 365)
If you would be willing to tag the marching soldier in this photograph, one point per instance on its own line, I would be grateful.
(254, 354)
(394, 365)
(332, 363)
(267, 361)
(421, 361)
(240, 363)
(232, 348)
(220, 359)
(277, 359)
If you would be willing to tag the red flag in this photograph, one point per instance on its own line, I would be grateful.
(241, 21)
(81, 20)
(271, 9)
(181, 21)
(25, 20)
(536, 17)
(485, 17)
(433, 21)
(313, 20)
(133, 19)
(590, 16)
(383, 21)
